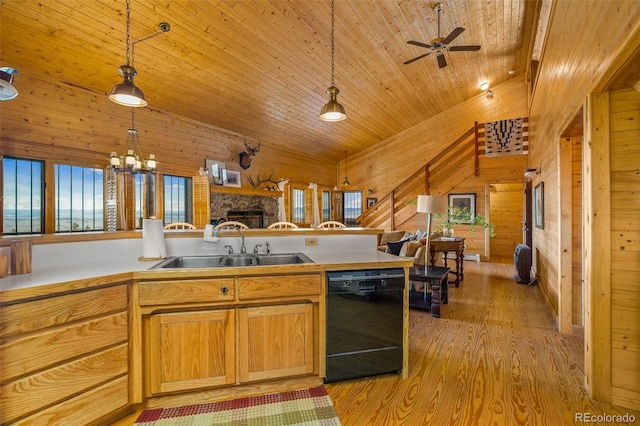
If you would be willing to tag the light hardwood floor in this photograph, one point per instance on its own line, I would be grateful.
(494, 358)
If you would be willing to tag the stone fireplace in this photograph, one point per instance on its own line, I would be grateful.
(253, 210)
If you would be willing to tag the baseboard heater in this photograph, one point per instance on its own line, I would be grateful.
(474, 257)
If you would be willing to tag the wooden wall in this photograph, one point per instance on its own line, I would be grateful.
(624, 119)
(573, 64)
(390, 162)
(56, 121)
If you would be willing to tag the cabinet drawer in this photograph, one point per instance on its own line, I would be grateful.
(278, 286)
(186, 291)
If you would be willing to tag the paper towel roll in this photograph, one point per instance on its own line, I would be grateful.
(153, 245)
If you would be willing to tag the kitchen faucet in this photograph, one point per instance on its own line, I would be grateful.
(243, 249)
(214, 238)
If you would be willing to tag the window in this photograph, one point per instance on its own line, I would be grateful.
(22, 194)
(297, 205)
(352, 207)
(326, 205)
(79, 198)
(178, 199)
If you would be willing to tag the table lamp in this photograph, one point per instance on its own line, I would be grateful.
(430, 204)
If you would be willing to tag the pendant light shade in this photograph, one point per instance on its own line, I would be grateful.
(7, 90)
(333, 111)
(126, 93)
(345, 182)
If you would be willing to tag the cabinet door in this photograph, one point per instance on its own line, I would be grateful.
(276, 341)
(192, 349)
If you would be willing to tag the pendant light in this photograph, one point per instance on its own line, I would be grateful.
(132, 161)
(126, 93)
(346, 171)
(332, 111)
(7, 90)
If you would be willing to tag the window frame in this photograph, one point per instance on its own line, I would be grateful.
(43, 195)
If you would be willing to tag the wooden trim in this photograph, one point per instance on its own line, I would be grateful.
(217, 189)
(597, 243)
(565, 245)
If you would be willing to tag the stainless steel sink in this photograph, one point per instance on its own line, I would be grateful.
(282, 259)
(241, 260)
(179, 262)
(220, 261)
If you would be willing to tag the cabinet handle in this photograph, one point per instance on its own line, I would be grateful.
(225, 289)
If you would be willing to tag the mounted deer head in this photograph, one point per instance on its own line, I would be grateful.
(247, 156)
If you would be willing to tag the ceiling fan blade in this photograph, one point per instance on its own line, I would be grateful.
(464, 48)
(455, 33)
(417, 43)
(416, 58)
(442, 62)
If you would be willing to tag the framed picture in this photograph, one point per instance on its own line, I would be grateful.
(214, 169)
(538, 205)
(464, 201)
(231, 178)
(371, 202)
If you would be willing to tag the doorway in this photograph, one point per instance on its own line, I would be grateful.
(506, 211)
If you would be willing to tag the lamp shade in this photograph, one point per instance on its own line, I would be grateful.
(333, 110)
(126, 93)
(431, 204)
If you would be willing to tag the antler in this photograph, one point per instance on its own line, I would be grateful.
(252, 150)
(261, 181)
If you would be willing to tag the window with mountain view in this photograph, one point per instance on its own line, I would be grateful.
(352, 207)
(178, 195)
(23, 183)
(79, 198)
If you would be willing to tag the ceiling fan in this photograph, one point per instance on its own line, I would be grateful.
(440, 45)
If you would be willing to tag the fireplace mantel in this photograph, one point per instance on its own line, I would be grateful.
(219, 189)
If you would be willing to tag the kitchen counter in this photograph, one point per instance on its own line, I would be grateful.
(50, 279)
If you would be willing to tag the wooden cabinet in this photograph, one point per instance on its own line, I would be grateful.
(64, 353)
(156, 293)
(276, 341)
(224, 331)
(192, 350)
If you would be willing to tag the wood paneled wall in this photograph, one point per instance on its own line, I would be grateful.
(387, 164)
(574, 63)
(56, 121)
(624, 124)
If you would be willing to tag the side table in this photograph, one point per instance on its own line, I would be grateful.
(436, 278)
(445, 245)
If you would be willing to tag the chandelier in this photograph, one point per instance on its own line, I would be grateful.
(132, 160)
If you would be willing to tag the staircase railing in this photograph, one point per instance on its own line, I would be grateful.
(440, 175)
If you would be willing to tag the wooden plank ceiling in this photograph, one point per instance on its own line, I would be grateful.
(261, 68)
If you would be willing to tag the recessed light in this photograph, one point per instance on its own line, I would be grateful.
(512, 72)
(484, 86)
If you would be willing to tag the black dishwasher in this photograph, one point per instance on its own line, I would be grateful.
(364, 323)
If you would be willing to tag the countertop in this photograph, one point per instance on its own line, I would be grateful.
(84, 275)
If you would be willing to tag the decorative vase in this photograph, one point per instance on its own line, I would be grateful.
(447, 232)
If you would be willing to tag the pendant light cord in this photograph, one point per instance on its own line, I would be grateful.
(332, 42)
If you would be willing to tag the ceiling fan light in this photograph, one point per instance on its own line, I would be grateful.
(126, 93)
(333, 110)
